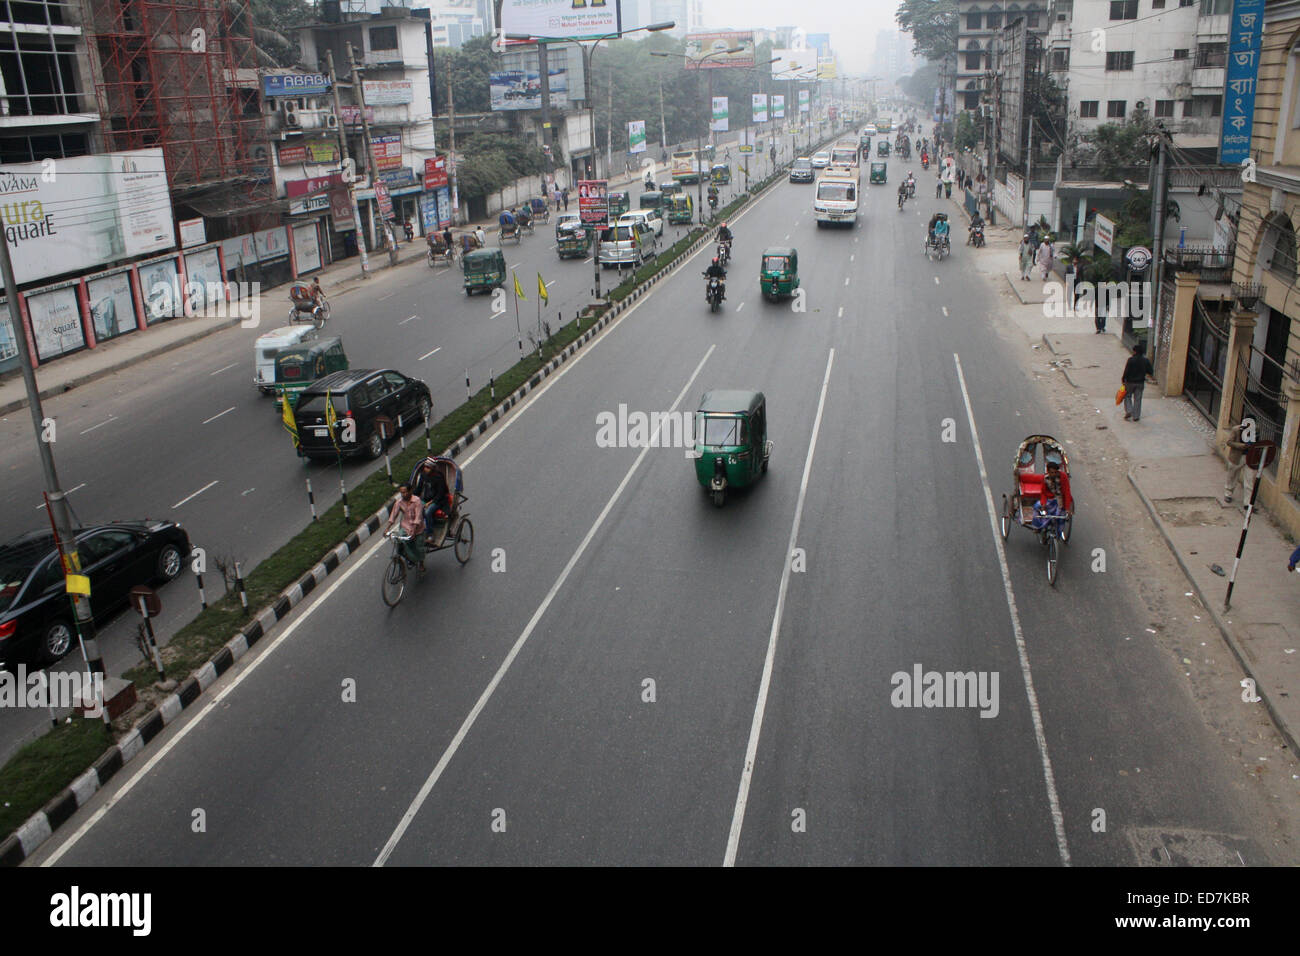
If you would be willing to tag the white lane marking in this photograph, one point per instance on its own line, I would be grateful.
(224, 368)
(495, 314)
(760, 705)
(1058, 819)
(787, 235)
(450, 752)
(588, 259)
(41, 506)
(216, 701)
(386, 295)
(427, 354)
(409, 318)
(195, 495)
(945, 310)
(846, 280)
(840, 314)
(852, 256)
(739, 307)
(100, 425)
(219, 414)
(936, 280)
(243, 494)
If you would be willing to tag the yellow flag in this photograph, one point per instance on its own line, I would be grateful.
(519, 290)
(286, 416)
(331, 418)
(541, 289)
(78, 584)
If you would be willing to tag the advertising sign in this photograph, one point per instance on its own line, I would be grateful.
(319, 152)
(719, 121)
(559, 18)
(387, 92)
(428, 213)
(387, 150)
(593, 204)
(193, 232)
(778, 106)
(788, 64)
(351, 115)
(522, 90)
(160, 285)
(399, 178)
(746, 140)
(112, 304)
(306, 245)
(56, 322)
(295, 84)
(1244, 34)
(1104, 235)
(271, 244)
(203, 278)
(385, 203)
(444, 207)
(803, 101)
(8, 338)
(636, 136)
(708, 51)
(341, 209)
(760, 107)
(827, 68)
(1138, 258)
(80, 213)
(435, 173)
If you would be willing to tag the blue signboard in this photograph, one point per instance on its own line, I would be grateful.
(295, 84)
(1245, 31)
(429, 213)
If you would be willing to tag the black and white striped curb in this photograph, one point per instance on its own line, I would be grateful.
(40, 826)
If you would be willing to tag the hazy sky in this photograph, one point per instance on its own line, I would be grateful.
(852, 24)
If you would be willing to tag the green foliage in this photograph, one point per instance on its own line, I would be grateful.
(1101, 268)
(273, 25)
(471, 65)
(1113, 146)
(933, 25)
(968, 134)
(491, 161)
(922, 84)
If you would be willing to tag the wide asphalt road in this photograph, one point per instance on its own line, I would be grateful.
(624, 674)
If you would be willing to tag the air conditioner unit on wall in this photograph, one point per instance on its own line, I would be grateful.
(331, 121)
(292, 119)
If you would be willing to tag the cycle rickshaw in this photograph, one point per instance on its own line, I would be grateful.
(1041, 502)
(455, 531)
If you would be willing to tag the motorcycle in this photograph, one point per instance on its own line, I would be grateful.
(713, 293)
(911, 189)
(925, 162)
(902, 198)
(976, 237)
(724, 251)
(713, 203)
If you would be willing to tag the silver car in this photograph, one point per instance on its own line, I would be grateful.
(627, 245)
(651, 217)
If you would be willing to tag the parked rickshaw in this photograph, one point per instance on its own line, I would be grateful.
(572, 240)
(652, 200)
(541, 212)
(879, 172)
(882, 148)
(439, 251)
(680, 209)
(484, 269)
(720, 175)
(453, 530)
(778, 273)
(619, 203)
(298, 366)
(731, 446)
(1041, 502)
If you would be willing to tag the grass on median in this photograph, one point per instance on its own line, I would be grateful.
(45, 766)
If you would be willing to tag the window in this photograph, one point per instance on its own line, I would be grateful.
(973, 61)
(1187, 3)
(1214, 8)
(1123, 9)
(1115, 109)
(1180, 54)
(1119, 61)
(1203, 106)
(383, 38)
(1164, 108)
(100, 546)
(973, 21)
(1211, 55)
(1278, 249)
(1060, 59)
(1031, 20)
(1157, 4)
(992, 21)
(1087, 109)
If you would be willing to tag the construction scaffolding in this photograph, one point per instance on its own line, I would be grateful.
(181, 74)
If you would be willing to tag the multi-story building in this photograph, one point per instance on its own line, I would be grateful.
(1163, 57)
(978, 25)
(455, 21)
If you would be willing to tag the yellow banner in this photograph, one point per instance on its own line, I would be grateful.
(78, 584)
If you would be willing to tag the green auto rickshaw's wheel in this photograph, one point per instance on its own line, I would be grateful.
(719, 498)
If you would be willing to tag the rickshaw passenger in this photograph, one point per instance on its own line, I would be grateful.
(525, 215)
(431, 487)
(1051, 502)
(506, 218)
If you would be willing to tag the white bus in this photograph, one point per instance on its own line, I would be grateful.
(836, 200)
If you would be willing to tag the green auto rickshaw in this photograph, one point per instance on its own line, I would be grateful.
(779, 272)
(882, 148)
(619, 203)
(484, 269)
(652, 200)
(298, 366)
(878, 171)
(572, 240)
(731, 446)
(680, 209)
(671, 188)
(720, 175)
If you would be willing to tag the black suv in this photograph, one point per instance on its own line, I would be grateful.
(362, 396)
(801, 170)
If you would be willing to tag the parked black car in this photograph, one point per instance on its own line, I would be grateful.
(35, 612)
(360, 395)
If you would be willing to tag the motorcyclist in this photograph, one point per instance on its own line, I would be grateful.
(724, 238)
(910, 183)
(715, 270)
(902, 194)
(713, 195)
(975, 223)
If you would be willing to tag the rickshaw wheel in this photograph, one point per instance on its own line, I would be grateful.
(1053, 559)
(394, 585)
(1005, 520)
(1066, 527)
(719, 498)
(464, 540)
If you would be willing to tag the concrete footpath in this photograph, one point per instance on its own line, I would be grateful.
(1180, 479)
(337, 279)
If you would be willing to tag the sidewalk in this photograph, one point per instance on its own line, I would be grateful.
(1180, 479)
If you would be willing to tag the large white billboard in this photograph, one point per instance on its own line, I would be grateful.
(707, 51)
(560, 18)
(788, 64)
(67, 215)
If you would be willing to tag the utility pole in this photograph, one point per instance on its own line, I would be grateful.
(451, 130)
(1158, 270)
(343, 152)
(663, 121)
(56, 500)
(609, 128)
(359, 93)
(544, 74)
(1029, 170)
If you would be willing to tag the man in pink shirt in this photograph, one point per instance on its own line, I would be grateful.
(410, 510)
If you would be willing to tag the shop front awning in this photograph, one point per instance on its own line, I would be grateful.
(230, 201)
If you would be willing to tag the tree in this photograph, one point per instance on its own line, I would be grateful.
(967, 135)
(273, 22)
(471, 66)
(922, 84)
(933, 25)
(1113, 146)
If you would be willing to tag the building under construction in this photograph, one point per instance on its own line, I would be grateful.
(182, 75)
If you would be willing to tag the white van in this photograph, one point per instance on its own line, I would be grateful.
(836, 199)
(627, 244)
(268, 346)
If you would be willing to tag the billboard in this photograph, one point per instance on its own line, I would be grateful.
(778, 106)
(821, 42)
(827, 68)
(435, 173)
(522, 90)
(295, 84)
(387, 92)
(636, 136)
(77, 214)
(387, 150)
(803, 101)
(1239, 80)
(593, 204)
(718, 123)
(760, 107)
(788, 64)
(714, 47)
(560, 18)
(316, 152)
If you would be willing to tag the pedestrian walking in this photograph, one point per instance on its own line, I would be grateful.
(947, 189)
(1044, 257)
(1026, 258)
(938, 187)
(564, 195)
(1234, 449)
(1134, 377)
(555, 194)
(1100, 305)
